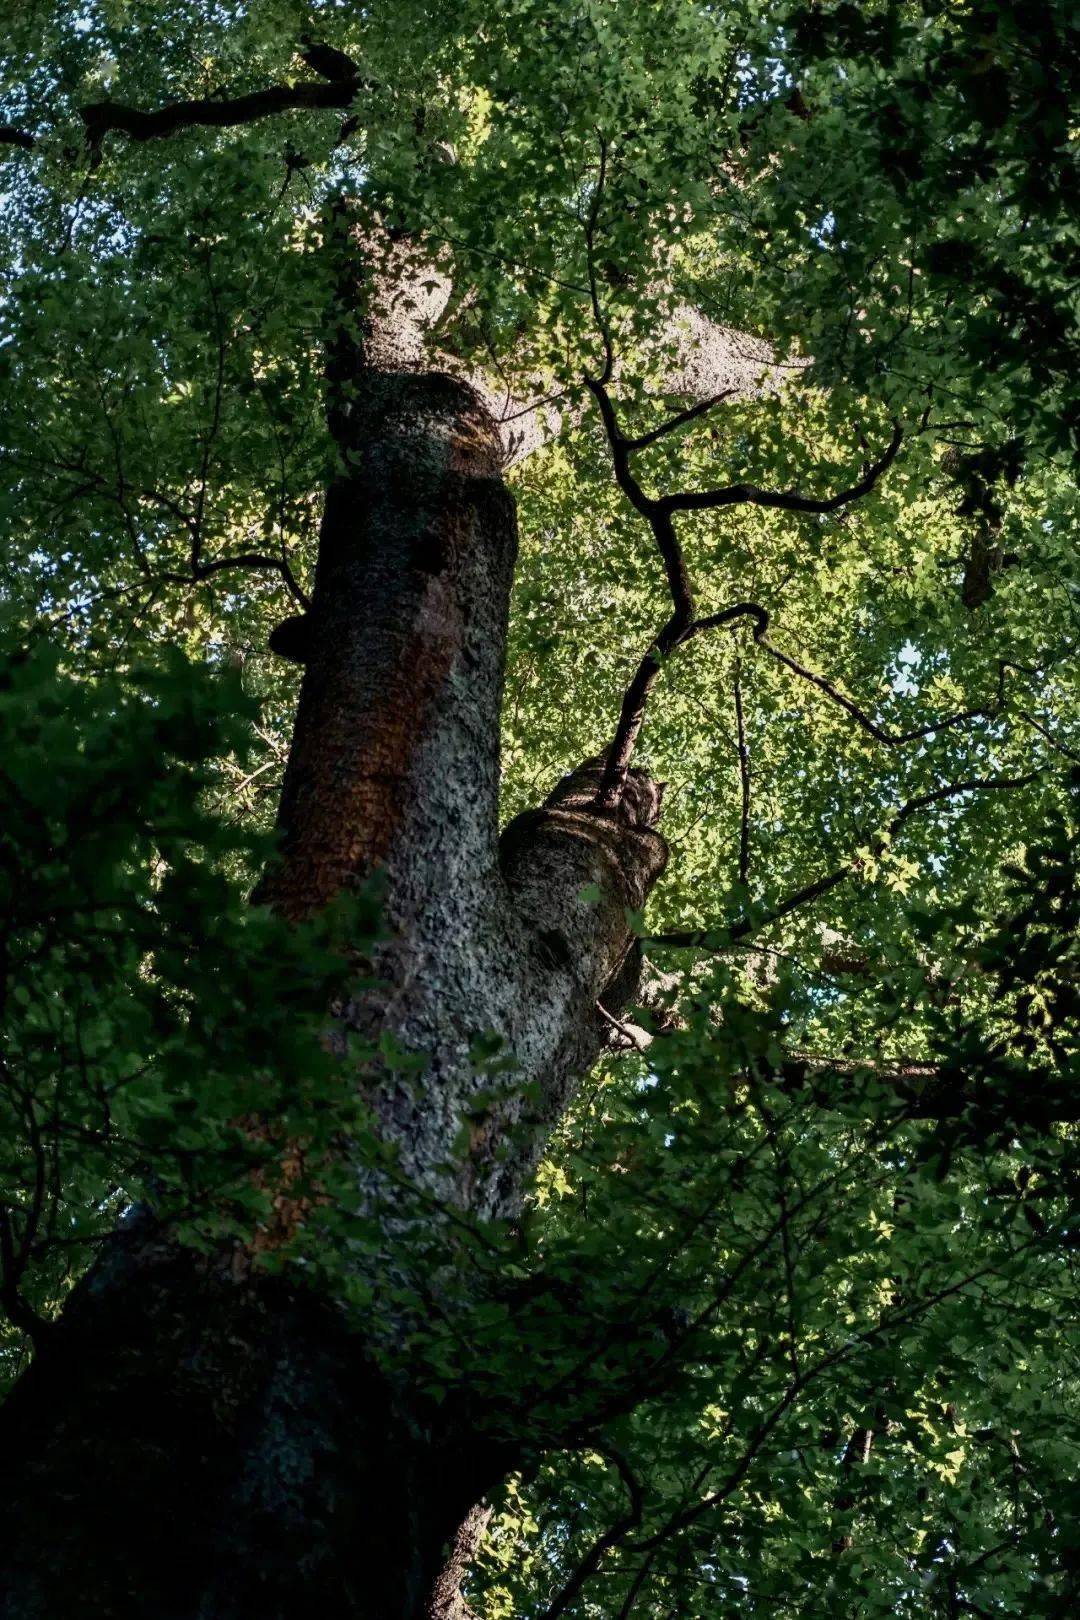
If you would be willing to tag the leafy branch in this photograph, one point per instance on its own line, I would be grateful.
(724, 934)
(612, 1537)
(92, 482)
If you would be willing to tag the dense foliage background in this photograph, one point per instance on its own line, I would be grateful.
(802, 1266)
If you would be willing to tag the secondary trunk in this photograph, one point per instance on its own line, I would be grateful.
(201, 1442)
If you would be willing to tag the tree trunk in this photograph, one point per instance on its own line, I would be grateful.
(198, 1440)
(200, 1444)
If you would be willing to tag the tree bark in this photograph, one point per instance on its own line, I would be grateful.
(198, 1440)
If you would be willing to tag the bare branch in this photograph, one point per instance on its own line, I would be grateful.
(632, 713)
(101, 118)
(658, 513)
(636, 1038)
(1047, 736)
(590, 259)
(256, 560)
(215, 112)
(328, 61)
(253, 560)
(687, 1516)
(708, 500)
(728, 615)
(632, 716)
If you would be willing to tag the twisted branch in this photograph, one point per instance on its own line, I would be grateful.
(676, 632)
(658, 512)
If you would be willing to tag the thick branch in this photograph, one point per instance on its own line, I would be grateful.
(632, 714)
(101, 118)
(104, 117)
(10, 136)
(255, 560)
(936, 1091)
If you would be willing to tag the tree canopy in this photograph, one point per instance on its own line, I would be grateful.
(789, 1322)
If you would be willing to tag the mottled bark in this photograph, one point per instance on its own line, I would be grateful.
(399, 708)
(199, 1441)
(446, 1601)
(417, 323)
(395, 766)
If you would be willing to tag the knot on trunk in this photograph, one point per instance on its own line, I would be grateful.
(639, 805)
(569, 840)
(574, 870)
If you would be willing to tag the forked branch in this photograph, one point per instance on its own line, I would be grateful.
(676, 633)
(708, 500)
(659, 513)
(891, 739)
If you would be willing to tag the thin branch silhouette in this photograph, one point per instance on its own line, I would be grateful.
(726, 933)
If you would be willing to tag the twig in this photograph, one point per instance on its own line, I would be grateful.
(611, 1537)
(636, 1037)
(744, 780)
(643, 440)
(761, 1433)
